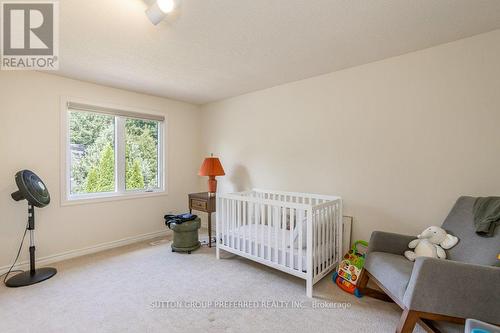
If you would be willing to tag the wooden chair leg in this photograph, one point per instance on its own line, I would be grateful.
(363, 280)
(407, 321)
(365, 291)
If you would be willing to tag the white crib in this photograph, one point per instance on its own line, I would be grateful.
(297, 233)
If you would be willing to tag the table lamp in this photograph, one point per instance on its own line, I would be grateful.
(211, 167)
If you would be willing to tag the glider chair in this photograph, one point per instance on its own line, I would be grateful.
(438, 294)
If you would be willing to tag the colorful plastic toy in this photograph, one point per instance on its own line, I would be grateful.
(348, 272)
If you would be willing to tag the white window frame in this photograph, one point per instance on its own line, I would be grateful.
(120, 192)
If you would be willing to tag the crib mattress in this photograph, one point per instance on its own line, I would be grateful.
(248, 238)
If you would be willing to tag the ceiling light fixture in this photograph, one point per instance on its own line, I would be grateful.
(159, 10)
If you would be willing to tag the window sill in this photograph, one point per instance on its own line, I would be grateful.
(107, 197)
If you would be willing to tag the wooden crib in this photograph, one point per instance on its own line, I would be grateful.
(297, 233)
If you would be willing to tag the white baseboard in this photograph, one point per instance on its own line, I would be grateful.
(87, 250)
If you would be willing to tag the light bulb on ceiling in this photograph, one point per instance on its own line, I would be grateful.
(166, 6)
(159, 9)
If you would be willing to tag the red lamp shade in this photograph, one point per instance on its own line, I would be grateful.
(211, 167)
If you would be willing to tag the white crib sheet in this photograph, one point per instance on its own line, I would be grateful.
(249, 237)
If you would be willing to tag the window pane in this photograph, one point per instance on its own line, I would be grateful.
(92, 149)
(141, 154)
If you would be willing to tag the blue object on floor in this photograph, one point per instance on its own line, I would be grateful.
(477, 326)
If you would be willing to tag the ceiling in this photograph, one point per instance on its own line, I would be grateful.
(216, 49)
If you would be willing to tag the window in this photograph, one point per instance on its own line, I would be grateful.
(111, 152)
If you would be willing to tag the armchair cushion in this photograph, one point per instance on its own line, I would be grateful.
(388, 242)
(454, 289)
(393, 271)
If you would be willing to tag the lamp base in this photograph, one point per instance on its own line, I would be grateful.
(212, 184)
(27, 278)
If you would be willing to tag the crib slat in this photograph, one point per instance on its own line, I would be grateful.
(316, 242)
(224, 223)
(228, 222)
(284, 234)
(231, 221)
(324, 245)
(292, 219)
(256, 217)
(327, 235)
(262, 229)
(330, 236)
(320, 254)
(252, 228)
(334, 235)
(241, 229)
(336, 230)
(320, 240)
(238, 211)
(276, 217)
(235, 224)
(234, 219)
(257, 230)
(332, 227)
(269, 226)
(299, 243)
(340, 226)
(245, 227)
(333, 232)
(283, 227)
(310, 246)
(228, 216)
(221, 221)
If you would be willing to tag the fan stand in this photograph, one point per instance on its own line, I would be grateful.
(33, 275)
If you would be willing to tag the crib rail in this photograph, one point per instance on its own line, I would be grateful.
(306, 198)
(293, 232)
(327, 238)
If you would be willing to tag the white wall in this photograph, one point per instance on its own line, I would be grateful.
(399, 139)
(30, 139)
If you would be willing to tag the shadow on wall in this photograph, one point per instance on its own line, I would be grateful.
(240, 178)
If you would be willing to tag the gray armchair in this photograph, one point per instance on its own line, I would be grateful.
(466, 285)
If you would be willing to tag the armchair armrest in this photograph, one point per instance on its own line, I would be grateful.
(454, 289)
(388, 242)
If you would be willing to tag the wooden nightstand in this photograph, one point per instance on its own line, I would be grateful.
(203, 203)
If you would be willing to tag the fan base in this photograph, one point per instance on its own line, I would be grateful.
(26, 278)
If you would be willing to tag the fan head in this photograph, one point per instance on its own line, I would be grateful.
(31, 188)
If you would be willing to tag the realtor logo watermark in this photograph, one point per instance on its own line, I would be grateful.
(29, 35)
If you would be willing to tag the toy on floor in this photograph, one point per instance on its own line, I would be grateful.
(431, 243)
(349, 270)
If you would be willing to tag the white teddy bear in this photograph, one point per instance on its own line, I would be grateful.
(430, 243)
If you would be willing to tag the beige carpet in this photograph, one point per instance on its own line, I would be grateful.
(114, 291)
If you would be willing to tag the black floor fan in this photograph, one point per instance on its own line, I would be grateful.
(31, 188)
